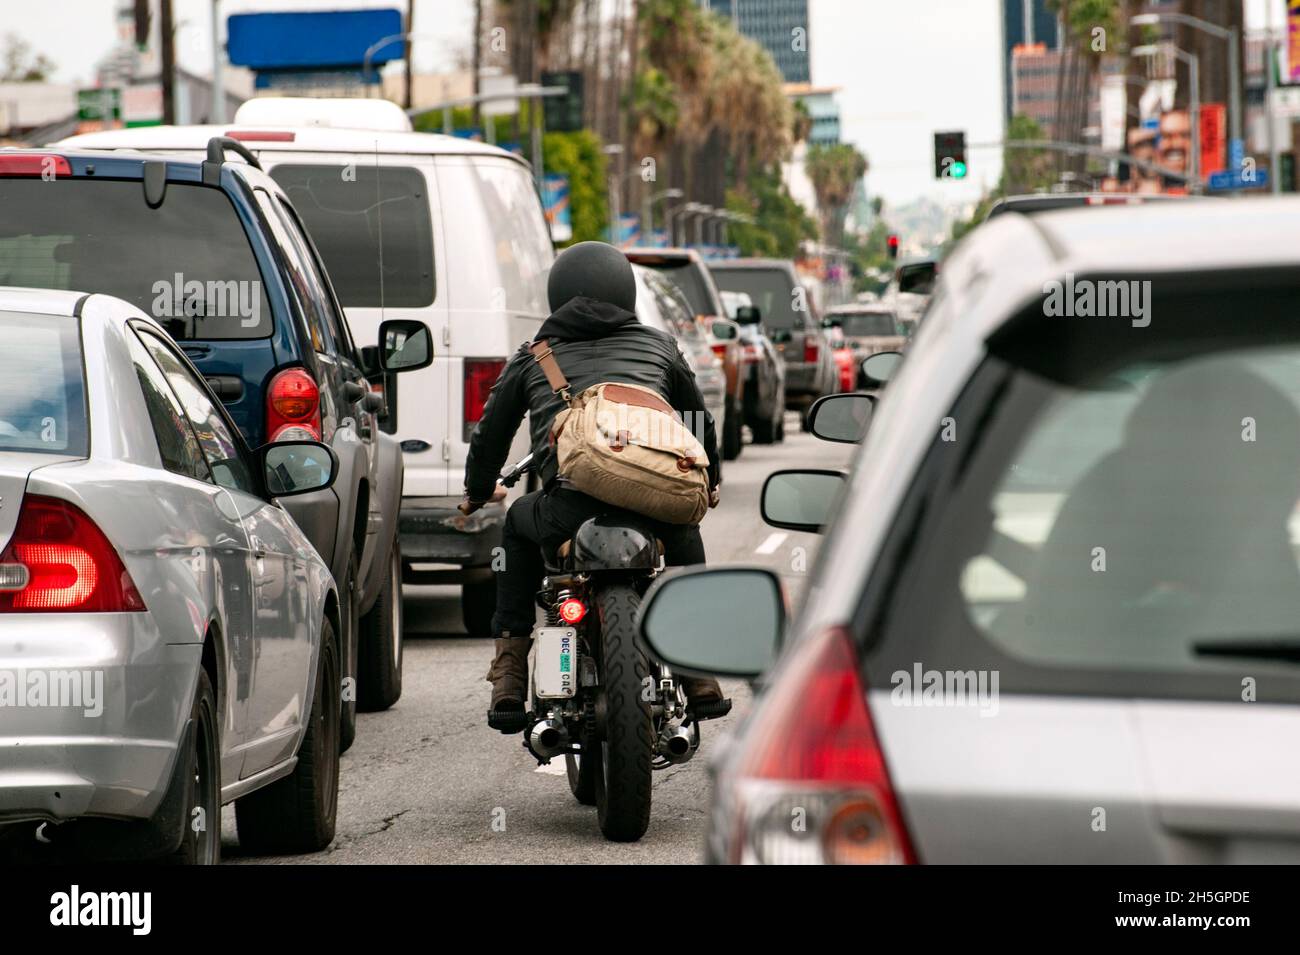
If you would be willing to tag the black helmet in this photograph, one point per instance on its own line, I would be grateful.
(595, 270)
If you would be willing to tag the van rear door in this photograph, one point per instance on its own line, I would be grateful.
(374, 219)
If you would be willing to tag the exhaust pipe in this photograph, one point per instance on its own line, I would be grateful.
(548, 738)
(676, 744)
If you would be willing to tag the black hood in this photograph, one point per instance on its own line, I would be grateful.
(583, 319)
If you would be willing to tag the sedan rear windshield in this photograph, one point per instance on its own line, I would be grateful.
(1114, 505)
(372, 227)
(42, 385)
(867, 326)
(769, 289)
(187, 263)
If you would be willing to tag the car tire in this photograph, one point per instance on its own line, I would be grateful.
(732, 438)
(780, 428)
(201, 836)
(764, 432)
(379, 657)
(348, 610)
(478, 602)
(297, 813)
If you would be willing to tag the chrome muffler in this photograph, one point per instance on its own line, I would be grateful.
(677, 744)
(548, 738)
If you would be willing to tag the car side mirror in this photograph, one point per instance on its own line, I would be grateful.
(843, 418)
(296, 467)
(405, 344)
(715, 621)
(879, 368)
(801, 500)
(748, 315)
(725, 331)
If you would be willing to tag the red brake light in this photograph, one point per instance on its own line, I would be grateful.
(70, 564)
(572, 610)
(34, 164)
(480, 375)
(810, 349)
(261, 135)
(817, 742)
(293, 406)
(720, 349)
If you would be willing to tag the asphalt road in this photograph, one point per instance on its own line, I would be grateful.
(428, 782)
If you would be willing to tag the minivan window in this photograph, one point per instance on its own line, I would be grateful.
(769, 289)
(372, 226)
(187, 263)
(42, 385)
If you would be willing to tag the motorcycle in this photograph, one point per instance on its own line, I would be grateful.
(596, 699)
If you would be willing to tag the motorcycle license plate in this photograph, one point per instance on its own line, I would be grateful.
(555, 664)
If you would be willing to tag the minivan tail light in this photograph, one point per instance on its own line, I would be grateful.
(480, 375)
(35, 165)
(815, 760)
(293, 407)
(68, 564)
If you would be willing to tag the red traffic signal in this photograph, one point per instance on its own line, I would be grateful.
(892, 242)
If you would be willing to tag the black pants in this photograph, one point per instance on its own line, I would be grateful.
(539, 523)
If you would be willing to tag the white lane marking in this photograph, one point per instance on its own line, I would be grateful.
(555, 767)
(770, 545)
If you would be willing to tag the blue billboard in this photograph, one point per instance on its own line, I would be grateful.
(312, 41)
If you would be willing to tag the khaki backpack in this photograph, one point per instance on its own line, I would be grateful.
(625, 445)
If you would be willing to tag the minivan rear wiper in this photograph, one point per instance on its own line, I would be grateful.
(1283, 650)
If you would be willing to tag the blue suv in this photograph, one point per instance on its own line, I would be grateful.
(214, 251)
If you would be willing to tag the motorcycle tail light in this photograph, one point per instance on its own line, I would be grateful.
(572, 611)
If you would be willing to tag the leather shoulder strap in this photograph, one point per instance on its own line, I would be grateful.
(543, 355)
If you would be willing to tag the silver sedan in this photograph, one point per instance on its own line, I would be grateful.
(167, 633)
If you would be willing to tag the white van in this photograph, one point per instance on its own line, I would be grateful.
(410, 225)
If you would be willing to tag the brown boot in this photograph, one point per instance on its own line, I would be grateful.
(700, 690)
(509, 673)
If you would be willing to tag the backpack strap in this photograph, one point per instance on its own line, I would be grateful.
(542, 354)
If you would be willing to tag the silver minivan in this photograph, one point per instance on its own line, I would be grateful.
(410, 225)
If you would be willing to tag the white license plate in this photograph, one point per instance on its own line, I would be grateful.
(555, 662)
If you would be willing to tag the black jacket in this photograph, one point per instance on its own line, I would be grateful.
(592, 342)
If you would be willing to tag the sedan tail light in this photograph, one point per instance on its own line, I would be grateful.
(59, 560)
(293, 407)
(480, 375)
(815, 788)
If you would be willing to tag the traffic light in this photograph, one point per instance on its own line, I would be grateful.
(563, 114)
(892, 243)
(950, 155)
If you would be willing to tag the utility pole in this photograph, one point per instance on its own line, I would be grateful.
(477, 62)
(168, 39)
(217, 111)
(410, 29)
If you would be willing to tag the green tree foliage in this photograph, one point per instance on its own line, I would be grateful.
(835, 171)
(17, 65)
(1024, 171)
(1082, 17)
(780, 223)
(578, 156)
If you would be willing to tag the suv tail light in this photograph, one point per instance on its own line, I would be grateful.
(58, 560)
(811, 349)
(293, 407)
(815, 788)
(480, 375)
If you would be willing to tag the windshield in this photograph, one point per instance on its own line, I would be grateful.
(1115, 510)
(187, 263)
(867, 326)
(770, 290)
(42, 385)
(372, 227)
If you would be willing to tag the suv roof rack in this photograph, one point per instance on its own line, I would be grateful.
(217, 147)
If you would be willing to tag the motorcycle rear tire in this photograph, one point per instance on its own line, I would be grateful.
(622, 759)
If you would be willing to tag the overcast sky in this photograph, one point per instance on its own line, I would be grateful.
(905, 69)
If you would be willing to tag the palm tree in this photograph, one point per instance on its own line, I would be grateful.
(835, 172)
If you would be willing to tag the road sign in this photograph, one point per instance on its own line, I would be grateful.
(1233, 179)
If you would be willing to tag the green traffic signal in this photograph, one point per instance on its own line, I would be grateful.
(957, 170)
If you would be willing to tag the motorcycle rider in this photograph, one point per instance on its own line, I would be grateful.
(596, 337)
